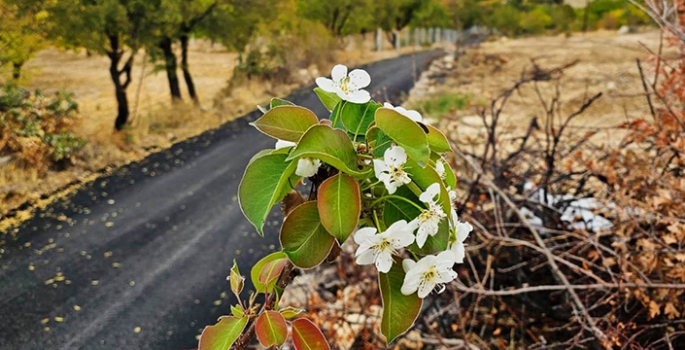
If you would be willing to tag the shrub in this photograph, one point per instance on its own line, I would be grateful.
(37, 130)
(536, 21)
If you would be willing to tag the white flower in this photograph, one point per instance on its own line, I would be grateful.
(378, 249)
(411, 114)
(349, 87)
(307, 167)
(440, 168)
(453, 200)
(283, 144)
(431, 271)
(429, 220)
(457, 248)
(390, 170)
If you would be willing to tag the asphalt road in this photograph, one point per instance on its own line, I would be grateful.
(139, 259)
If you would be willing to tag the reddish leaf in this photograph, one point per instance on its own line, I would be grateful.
(340, 204)
(271, 271)
(271, 329)
(223, 334)
(307, 336)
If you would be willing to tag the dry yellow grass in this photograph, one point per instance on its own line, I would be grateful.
(155, 123)
(606, 63)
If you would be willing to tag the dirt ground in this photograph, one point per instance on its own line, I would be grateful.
(606, 63)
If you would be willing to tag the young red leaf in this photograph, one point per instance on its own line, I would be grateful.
(307, 336)
(272, 271)
(271, 329)
(340, 204)
(258, 268)
(223, 334)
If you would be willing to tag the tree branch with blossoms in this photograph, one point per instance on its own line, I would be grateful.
(377, 174)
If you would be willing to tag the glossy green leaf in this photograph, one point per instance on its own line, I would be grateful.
(275, 102)
(307, 336)
(340, 204)
(379, 141)
(329, 99)
(336, 115)
(303, 237)
(331, 146)
(222, 335)
(266, 181)
(437, 140)
(258, 268)
(357, 117)
(405, 132)
(271, 329)
(399, 310)
(449, 177)
(286, 122)
(290, 312)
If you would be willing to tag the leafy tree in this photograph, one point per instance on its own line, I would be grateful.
(395, 15)
(114, 28)
(22, 30)
(341, 17)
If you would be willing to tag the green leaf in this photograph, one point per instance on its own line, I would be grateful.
(303, 237)
(271, 329)
(378, 140)
(405, 132)
(399, 310)
(258, 268)
(286, 122)
(307, 336)
(340, 204)
(290, 312)
(223, 334)
(424, 177)
(275, 102)
(335, 118)
(450, 177)
(437, 140)
(331, 146)
(237, 311)
(329, 99)
(266, 181)
(357, 117)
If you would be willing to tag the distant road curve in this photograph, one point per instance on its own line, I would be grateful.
(139, 259)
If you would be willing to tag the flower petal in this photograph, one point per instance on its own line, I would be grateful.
(307, 167)
(366, 257)
(463, 230)
(338, 73)
(364, 234)
(408, 264)
(394, 156)
(283, 144)
(425, 288)
(360, 78)
(431, 193)
(325, 84)
(383, 262)
(359, 96)
(421, 236)
(413, 115)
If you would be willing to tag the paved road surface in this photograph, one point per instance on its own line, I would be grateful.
(149, 246)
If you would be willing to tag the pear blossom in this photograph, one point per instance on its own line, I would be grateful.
(431, 271)
(457, 247)
(390, 170)
(349, 87)
(283, 144)
(307, 167)
(411, 114)
(453, 199)
(440, 168)
(429, 220)
(379, 248)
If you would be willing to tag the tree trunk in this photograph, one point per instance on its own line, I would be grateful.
(186, 70)
(16, 70)
(171, 68)
(115, 74)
